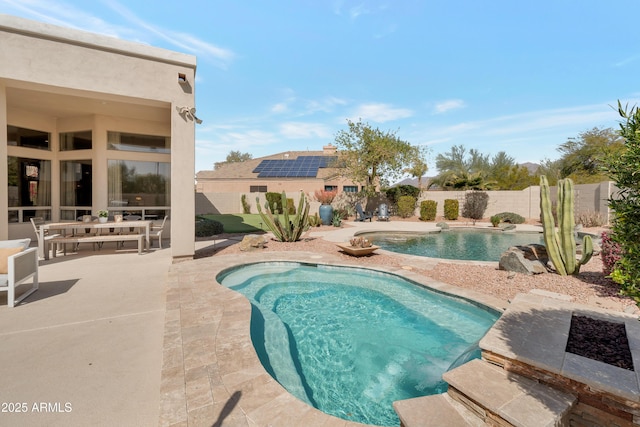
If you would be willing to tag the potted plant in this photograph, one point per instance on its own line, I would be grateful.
(325, 197)
(103, 215)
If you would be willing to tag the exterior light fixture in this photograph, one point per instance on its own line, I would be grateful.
(189, 113)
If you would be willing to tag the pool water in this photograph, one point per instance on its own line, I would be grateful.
(351, 341)
(466, 244)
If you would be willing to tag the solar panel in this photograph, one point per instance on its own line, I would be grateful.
(303, 166)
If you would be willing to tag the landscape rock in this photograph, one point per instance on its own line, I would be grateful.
(251, 242)
(526, 259)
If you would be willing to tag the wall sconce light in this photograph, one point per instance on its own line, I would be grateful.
(189, 113)
(182, 79)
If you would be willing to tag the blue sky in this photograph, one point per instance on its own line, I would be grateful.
(500, 75)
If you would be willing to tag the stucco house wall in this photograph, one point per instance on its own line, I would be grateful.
(54, 79)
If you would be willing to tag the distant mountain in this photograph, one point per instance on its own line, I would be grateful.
(532, 167)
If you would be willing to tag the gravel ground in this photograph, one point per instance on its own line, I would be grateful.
(590, 287)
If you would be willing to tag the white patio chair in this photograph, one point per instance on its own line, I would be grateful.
(156, 232)
(18, 264)
(42, 246)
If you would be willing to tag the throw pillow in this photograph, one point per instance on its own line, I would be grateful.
(5, 253)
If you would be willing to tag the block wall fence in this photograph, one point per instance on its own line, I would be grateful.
(588, 198)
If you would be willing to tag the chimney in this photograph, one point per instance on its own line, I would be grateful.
(329, 149)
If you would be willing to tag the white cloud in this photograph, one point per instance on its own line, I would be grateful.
(183, 41)
(64, 14)
(280, 107)
(626, 61)
(377, 112)
(451, 104)
(301, 130)
(325, 105)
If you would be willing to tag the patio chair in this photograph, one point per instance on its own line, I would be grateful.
(37, 221)
(383, 212)
(18, 264)
(156, 232)
(361, 215)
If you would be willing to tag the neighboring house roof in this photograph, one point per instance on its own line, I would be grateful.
(297, 164)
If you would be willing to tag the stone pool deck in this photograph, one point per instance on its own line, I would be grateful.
(211, 372)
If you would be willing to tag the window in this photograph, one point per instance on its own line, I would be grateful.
(75, 141)
(75, 188)
(29, 187)
(350, 189)
(28, 138)
(140, 143)
(134, 185)
(330, 188)
(258, 189)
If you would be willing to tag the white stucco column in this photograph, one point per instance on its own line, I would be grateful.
(182, 185)
(4, 202)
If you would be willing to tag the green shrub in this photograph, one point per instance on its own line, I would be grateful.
(623, 170)
(394, 193)
(495, 220)
(451, 209)
(475, 204)
(428, 210)
(510, 217)
(274, 200)
(406, 206)
(246, 207)
(208, 227)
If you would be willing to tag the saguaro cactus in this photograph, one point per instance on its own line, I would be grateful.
(560, 242)
(287, 230)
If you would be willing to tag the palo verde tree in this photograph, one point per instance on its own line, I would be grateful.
(582, 158)
(370, 156)
(418, 166)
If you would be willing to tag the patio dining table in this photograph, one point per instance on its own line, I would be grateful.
(142, 225)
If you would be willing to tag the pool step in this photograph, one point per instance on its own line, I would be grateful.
(435, 410)
(503, 398)
(482, 394)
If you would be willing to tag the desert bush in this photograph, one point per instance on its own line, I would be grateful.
(475, 204)
(406, 206)
(246, 207)
(510, 217)
(451, 209)
(495, 220)
(208, 227)
(610, 252)
(428, 210)
(589, 219)
(394, 193)
(274, 201)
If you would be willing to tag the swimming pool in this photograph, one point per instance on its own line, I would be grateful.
(461, 244)
(351, 341)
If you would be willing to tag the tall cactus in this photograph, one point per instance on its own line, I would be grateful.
(561, 243)
(287, 230)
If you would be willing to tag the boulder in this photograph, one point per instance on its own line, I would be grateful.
(443, 225)
(527, 259)
(251, 242)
